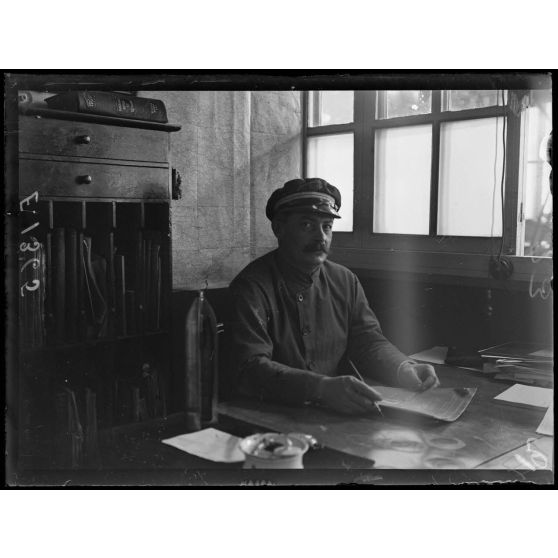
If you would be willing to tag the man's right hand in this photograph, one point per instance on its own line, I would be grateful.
(347, 394)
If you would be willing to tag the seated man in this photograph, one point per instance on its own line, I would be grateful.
(302, 328)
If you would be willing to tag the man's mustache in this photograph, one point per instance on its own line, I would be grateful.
(316, 247)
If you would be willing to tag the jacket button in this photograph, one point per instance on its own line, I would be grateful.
(300, 298)
(305, 330)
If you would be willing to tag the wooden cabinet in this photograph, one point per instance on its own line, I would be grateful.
(86, 139)
(94, 333)
(91, 179)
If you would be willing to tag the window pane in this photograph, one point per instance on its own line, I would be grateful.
(461, 99)
(469, 202)
(330, 107)
(537, 199)
(392, 104)
(402, 180)
(331, 158)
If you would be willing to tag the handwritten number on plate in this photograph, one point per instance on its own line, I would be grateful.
(26, 246)
(26, 286)
(34, 261)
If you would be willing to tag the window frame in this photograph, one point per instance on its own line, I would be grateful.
(453, 255)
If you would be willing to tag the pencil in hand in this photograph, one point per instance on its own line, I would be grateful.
(359, 376)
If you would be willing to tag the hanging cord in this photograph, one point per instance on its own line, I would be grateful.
(494, 181)
(502, 180)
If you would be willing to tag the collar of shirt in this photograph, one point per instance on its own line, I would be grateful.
(294, 276)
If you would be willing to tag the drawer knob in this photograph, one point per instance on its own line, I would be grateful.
(84, 140)
(85, 179)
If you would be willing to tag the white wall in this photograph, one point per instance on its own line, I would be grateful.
(234, 149)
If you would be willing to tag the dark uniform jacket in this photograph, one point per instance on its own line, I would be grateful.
(289, 328)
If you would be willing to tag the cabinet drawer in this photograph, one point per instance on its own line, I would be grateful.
(90, 180)
(83, 139)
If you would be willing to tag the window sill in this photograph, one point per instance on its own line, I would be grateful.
(528, 273)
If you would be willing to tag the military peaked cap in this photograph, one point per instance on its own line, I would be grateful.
(313, 195)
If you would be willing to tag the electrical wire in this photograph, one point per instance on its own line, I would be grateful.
(502, 180)
(494, 181)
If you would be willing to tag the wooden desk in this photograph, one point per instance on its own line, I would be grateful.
(495, 444)
(536, 455)
(487, 429)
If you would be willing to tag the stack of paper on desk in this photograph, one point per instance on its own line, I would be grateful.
(527, 352)
(445, 404)
(520, 362)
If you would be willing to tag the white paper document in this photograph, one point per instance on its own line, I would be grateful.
(435, 355)
(546, 427)
(210, 444)
(439, 403)
(526, 396)
(542, 353)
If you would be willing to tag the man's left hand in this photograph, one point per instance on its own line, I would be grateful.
(417, 377)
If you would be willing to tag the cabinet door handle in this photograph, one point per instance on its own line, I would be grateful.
(84, 179)
(84, 140)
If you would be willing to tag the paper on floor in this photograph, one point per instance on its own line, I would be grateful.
(526, 396)
(210, 444)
